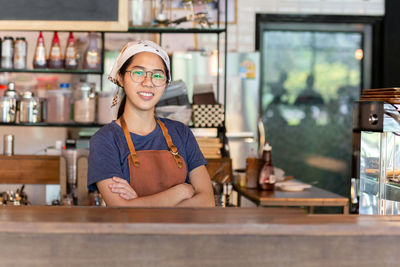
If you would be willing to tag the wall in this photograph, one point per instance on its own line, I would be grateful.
(241, 36)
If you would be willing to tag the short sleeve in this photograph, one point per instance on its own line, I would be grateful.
(104, 159)
(194, 156)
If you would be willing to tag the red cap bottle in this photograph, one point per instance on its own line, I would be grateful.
(39, 60)
(70, 59)
(55, 57)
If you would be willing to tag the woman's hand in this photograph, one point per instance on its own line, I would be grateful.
(187, 190)
(123, 188)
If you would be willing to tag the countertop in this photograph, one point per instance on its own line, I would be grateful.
(86, 236)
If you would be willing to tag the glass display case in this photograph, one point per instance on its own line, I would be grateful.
(380, 159)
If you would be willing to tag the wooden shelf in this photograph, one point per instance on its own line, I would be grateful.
(59, 71)
(29, 169)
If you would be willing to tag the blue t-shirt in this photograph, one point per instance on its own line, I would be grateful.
(109, 150)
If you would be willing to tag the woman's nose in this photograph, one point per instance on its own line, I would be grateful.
(147, 79)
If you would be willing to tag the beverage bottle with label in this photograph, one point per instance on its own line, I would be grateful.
(39, 60)
(91, 57)
(70, 56)
(266, 178)
(55, 58)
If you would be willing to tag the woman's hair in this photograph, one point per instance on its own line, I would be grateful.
(122, 71)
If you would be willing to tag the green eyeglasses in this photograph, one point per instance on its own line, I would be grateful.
(138, 75)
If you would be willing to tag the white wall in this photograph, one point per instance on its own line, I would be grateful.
(241, 36)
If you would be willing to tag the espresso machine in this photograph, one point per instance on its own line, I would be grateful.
(376, 158)
(75, 183)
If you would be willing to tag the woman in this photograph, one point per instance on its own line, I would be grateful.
(141, 160)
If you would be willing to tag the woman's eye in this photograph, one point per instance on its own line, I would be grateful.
(138, 72)
(158, 76)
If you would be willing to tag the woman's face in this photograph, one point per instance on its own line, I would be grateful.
(143, 95)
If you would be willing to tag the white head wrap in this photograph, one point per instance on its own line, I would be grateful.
(133, 48)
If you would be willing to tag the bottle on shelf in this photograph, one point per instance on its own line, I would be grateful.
(266, 178)
(39, 59)
(91, 57)
(70, 56)
(7, 52)
(20, 53)
(55, 58)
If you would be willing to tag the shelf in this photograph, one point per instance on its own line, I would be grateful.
(175, 30)
(63, 71)
(45, 124)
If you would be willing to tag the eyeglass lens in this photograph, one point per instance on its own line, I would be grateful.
(138, 75)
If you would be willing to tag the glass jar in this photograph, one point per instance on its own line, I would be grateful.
(84, 103)
(106, 113)
(59, 106)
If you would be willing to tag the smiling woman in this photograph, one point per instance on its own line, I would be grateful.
(139, 159)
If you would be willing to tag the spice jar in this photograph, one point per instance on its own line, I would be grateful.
(84, 103)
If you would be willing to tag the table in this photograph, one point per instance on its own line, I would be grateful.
(311, 197)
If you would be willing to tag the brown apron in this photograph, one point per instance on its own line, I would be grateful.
(154, 171)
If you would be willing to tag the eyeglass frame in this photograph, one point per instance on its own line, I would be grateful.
(145, 76)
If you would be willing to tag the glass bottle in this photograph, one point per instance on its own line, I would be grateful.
(266, 178)
(91, 57)
(55, 58)
(252, 170)
(70, 56)
(39, 60)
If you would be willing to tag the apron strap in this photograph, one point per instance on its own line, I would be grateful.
(172, 148)
(130, 143)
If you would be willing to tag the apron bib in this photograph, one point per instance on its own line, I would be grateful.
(154, 171)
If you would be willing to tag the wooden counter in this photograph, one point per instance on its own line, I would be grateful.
(61, 236)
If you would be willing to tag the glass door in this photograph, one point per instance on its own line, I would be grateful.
(311, 74)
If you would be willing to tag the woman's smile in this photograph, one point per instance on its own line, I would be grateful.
(145, 95)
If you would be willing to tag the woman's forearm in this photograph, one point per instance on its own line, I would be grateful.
(198, 200)
(168, 198)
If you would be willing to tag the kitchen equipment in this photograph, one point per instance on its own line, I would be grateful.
(376, 157)
(84, 102)
(8, 104)
(30, 108)
(72, 155)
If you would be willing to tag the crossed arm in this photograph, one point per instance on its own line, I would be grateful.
(118, 193)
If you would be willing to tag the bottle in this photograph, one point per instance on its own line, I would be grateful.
(91, 57)
(70, 56)
(39, 60)
(7, 52)
(252, 170)
(55, 58)
(20, 52)
(266, 179)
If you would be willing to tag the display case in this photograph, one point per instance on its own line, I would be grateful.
(379, 165)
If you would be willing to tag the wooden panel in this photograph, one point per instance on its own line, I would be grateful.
(72, 15)
(29, 169)
(219, 169)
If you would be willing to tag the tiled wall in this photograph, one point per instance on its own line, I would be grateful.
(241, 36)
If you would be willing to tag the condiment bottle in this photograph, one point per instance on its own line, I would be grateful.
(266, 179)
(55, 58)
(91, 57)
(39, 60)
(252, 170)
(70, 57)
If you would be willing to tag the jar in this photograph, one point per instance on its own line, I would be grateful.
(106, 113)
(59, 106)
(30, 108)
(8, 104)
(84, 103)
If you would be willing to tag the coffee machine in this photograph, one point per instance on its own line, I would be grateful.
(74, 180)
(376, 158)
